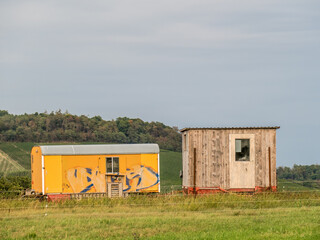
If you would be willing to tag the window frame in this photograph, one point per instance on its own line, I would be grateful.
(247, 159)
(232, 147)
(112, 165)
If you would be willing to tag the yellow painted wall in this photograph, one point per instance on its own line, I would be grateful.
(150, 162)
(52, 174)
(86, 173)
(36, 174)
(83, 173)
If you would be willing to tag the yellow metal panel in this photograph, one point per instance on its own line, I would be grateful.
(141, 173)
(87, 173)
(36, 174)
(83, 174)
(130, 168)
(52, 174)
(151, 178)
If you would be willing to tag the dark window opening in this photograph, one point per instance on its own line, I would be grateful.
(109, 165)
(116, 164)
(112, 164)
(242, 149)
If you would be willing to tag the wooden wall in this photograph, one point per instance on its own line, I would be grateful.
(213, 160)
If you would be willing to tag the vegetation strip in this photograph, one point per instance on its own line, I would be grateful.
(131, 223)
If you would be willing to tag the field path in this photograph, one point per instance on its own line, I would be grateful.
(7, 164)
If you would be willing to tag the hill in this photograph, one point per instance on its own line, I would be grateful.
(19, 152)
(7, 164)
(65, 127)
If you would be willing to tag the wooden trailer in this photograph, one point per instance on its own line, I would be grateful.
(66, 171)
(229, 159)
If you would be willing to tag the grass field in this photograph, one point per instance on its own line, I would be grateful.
(220, 216)
(170, 166)
(291, 185)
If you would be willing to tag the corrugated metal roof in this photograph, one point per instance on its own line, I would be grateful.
(97, 149)
(228, 128)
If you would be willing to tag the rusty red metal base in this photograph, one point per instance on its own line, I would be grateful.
(58, 197)
(211, 190)
(264, 189)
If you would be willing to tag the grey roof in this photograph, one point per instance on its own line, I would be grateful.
(228, 128)
(97, 149)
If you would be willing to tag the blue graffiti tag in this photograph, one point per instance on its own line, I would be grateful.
(140, 179)
(87, 188)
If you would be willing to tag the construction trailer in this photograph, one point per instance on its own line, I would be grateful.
(68, 171)
(229, 159)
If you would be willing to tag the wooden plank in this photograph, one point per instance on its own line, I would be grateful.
(190, 158)
(187, 159)
(209, 152)
(268, 147)
(227, 149)
(216, 158)
(260, 144)
(273, 158)
(202, 158)
(205, 144)
(199, 159)
(219, 158)
(223, 159)
(211, 166)
(222, 165)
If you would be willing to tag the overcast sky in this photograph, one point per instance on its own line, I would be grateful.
(183, 63)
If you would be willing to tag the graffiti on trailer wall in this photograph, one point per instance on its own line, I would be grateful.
(84, 180)
(137, 178)
(140, 177)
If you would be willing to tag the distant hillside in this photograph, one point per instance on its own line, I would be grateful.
(65, 127)
(8, 165)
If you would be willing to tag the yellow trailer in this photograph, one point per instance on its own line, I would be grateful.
(70, 169)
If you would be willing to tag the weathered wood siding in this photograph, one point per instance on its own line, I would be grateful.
(185, 155)
(212, 156)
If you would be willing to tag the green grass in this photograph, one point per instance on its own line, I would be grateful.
(170, 166)
(292, 185)
(20, 152)
(97, 223)
(261, 216)
(7, 165)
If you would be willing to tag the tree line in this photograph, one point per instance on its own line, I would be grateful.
(65, 127)
(299, 172)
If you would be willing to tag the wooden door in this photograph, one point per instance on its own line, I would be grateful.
(242, 161)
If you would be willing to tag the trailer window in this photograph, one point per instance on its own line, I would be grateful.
(115, 164)
(242, 149)
(112, 164)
